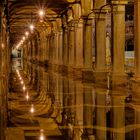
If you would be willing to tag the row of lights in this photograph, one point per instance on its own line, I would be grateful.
(25, 91)
(41, 16)
(42, 136)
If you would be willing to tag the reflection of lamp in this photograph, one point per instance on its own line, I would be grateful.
(31, 27)
(41, 15)
(24, 88)
(26, 33)
(27, 96)
(32, 109)
(42, 137)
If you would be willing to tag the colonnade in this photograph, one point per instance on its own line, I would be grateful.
(67, 44)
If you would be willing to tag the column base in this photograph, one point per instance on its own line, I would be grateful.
(64, 70)
(70, 71)
(119, 84)
(87, 75)
(136, 91)
(100, 77)
(77, 74)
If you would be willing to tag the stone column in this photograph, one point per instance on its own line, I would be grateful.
(47, 47)
(53, 48)
(65, 48)
(50, 48)
(87, 42)
(100, 29)
(79, 44)
(137, 37)
(43, 47)
(71, 44)
(118, 34)
(60, 48)
(56, 48)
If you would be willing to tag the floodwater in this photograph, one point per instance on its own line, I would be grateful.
(45, 105)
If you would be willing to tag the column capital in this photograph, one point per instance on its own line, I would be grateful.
(90, 16)
(119, 2)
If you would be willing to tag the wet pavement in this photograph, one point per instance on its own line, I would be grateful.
(43, 104)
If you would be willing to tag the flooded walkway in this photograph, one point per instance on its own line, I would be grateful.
(31, 110)
(46, 105)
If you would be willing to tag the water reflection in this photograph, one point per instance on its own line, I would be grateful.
(83, 111)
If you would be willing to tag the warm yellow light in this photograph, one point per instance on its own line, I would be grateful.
(26, 33)
(31, 27)
(2, 45)
(32, 110)
(42, 137)
(27, 97)
(24, 88)
(41, 13)
(23, 38)
(22, 82)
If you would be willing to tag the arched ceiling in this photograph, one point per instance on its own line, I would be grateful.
(21, 13)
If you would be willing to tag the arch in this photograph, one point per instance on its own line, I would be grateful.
(77, 10)
(129, 45)
(87, 6)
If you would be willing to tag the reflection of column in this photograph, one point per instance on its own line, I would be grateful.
(137, 37)
(65, 101)
(101, 114)
(79, 109)
(88, 110)
(136, 107)
(118, 103)
(118, 20)
(137, 121)
(72, 99)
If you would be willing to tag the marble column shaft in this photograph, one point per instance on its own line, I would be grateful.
(118, 34)
(79, 44)
(87, 39)
(71, 43)
(137, 37)
(100, 28)
(60, 47)
(65, 45)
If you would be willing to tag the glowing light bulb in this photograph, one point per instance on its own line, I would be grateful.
(31, 27)
(41, 13)
(22, 82)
